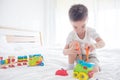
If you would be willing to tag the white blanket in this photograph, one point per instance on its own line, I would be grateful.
(54, 60)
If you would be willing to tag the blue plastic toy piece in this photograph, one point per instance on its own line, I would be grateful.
(83, 63)
(42, 64)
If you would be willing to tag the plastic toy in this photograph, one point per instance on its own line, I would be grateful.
(25, 60)
(87, 53)
(3, 63)
(78, 49)
(19, 61)
(11, 60)
(36, 60)
(22, 60)
(61, 72)
(7, 62)
(83, 69)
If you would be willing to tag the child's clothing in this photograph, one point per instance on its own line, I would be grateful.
(90, 36)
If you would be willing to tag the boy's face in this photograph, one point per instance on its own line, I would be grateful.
(79, 26)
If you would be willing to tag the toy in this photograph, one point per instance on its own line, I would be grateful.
(2, 63)
(25, 60)
(83, 69)
(61, 72)
(78, 49)
(87, 54)
(22, 60)
(11, 61)
(7, 62)
(36, 60)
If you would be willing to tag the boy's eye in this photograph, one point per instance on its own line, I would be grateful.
(75, 27)
(83, 26)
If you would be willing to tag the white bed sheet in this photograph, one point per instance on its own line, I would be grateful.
(54, 60)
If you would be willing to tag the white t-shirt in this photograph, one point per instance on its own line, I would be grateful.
(90, 36)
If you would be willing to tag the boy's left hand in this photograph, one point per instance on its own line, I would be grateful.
(90, 46)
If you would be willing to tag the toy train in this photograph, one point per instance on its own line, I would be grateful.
(33, 60)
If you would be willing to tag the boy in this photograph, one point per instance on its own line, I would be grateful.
(78, 15)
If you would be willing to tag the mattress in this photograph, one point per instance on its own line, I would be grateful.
(54, 60)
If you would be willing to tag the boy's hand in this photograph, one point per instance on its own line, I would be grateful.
(90, 46)
(73, 50)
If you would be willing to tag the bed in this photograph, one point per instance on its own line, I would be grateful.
(54, 60)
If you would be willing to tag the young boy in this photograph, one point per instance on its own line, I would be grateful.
(78, 15)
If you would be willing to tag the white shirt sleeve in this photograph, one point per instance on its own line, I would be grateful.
(93, 33)
(70, 37)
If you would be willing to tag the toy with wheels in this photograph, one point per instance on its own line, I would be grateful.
(36, 60)
(83, 69)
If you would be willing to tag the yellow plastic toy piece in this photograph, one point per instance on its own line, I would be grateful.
(40, 59)
(83, 76)
(6, 61)
(75, 75)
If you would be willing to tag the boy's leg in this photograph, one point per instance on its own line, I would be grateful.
(71, 57)
(93, 59)
(71, 60)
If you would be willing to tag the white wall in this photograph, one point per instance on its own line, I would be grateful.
(23, 14)
(36, 15)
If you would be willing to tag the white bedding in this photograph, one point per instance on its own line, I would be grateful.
(54, 60)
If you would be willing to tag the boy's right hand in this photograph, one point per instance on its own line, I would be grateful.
(75, 48)
(72, 50)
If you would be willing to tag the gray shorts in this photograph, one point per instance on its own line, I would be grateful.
(92, 59)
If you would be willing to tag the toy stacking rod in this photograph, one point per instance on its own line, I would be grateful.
(87, 54)
(78, 48)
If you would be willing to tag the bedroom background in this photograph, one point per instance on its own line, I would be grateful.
(50, 17)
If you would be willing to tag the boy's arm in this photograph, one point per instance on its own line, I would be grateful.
(99, 43)
(65, 49)
(95, 36)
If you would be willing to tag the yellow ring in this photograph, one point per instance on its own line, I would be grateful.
(75, 75)
(83, 76)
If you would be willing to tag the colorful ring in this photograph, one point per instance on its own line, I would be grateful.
(83, 76)
(75, 75)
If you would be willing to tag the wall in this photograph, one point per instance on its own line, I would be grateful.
(22, 14)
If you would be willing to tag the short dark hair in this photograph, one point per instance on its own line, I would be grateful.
(78, 12)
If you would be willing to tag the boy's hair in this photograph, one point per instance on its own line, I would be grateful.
(78, 12)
